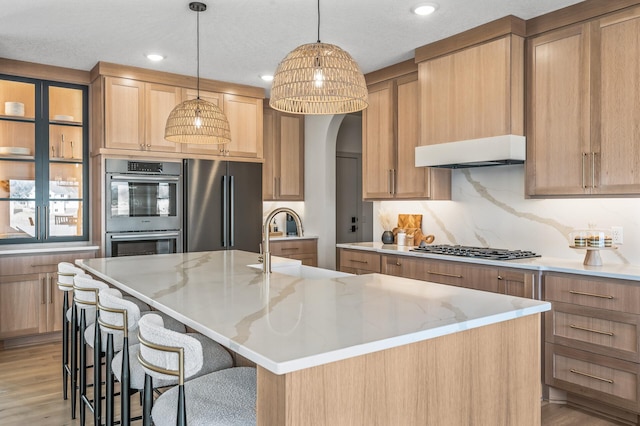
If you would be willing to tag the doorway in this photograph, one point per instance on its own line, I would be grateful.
(353, 215)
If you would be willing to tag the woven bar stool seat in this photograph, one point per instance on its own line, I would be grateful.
(223, 397)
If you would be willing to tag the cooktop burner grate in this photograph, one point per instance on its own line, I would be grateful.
(478, 252)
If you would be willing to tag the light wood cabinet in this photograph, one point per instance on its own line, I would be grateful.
(303, 250)
(592, 338)
(582, 128)
(283, 168)
(136, 113)
(473, 93)
(390, 133)
(358, 261)
(214, 98)
(245, 121)
(30, 301)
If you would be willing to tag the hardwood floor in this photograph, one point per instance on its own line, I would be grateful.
(31, 393)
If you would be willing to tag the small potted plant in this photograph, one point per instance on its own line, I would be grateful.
(387, 224)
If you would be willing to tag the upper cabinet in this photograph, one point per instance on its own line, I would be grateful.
(283, 168)
(390, 133)
(43, 167)
(583, 109)
(472, 93)
(132, 113)
(136, 113)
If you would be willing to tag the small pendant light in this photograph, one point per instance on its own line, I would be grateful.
(197, 121)
(318, 78)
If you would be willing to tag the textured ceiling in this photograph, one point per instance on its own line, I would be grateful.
(239, 39)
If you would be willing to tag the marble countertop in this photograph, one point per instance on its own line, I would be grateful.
(45, 248)
(544, 263)
(291, 321)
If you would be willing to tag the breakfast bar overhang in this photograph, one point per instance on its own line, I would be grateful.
(334, 349)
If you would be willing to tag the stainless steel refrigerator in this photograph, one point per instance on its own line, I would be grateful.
(223, 205)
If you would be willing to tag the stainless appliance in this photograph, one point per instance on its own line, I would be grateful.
(143, 202)
(477, 252)
(139, 243)
(223, 205)
(143, 196)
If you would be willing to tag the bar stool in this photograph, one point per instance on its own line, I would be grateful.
(219, 398)
(66, 272)
(85, 290)
(114, 311)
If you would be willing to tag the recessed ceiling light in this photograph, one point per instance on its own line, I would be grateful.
(267, 77)
(424, 9)
(155, 57)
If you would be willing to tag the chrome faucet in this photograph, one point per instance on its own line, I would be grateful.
(266, 255)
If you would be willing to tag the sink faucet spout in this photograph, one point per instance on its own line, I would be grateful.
(266, 255)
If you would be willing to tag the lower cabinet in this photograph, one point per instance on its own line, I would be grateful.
(30, 301)
(592, 342)
(303, 250)
(358, 261)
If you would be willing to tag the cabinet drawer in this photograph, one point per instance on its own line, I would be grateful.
(451, 273)
(362, 261)
(614, 295)
(609, 380)
(287, 248)
(594, 330)
(17, 265)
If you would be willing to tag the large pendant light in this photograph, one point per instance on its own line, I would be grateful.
(318, 78)
(197, 121)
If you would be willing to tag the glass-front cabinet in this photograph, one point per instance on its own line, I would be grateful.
(43, 161)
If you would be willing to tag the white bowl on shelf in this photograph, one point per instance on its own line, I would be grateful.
(63, 117)
(14, 108)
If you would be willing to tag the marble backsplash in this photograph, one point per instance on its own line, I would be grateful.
(488, 208)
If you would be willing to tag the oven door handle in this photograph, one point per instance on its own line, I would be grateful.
(138, 235)
(146, 178)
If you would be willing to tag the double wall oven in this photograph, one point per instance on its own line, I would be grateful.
(143, 202)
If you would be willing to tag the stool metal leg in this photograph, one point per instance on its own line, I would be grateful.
(74, 359)
(148, 400)
(97, 374)
(125, 396)
(109, 411)
(83, 367)
(65, 345)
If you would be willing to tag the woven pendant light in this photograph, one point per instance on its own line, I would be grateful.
(318, 78)
(197, 121)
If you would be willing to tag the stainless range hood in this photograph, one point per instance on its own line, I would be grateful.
(493, 151)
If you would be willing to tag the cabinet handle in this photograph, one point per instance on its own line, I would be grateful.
(442, 274)
(40, 265)
(393, 181)
(593, 169)
(500, 277)
(38, 222)
(574, 371)
(43, 290)
(584, 154)
(290, 248)
(582, 293)
(390, 181)
(398, 263)
(577, 327)
(50, 287)
(358, 261)
(274, 187)
(46, 222)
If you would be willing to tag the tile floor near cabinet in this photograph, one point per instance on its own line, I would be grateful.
(31, 393)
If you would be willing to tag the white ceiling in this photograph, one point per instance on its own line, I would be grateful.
(239, 39)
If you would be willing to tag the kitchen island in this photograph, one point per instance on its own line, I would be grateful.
(332, 348)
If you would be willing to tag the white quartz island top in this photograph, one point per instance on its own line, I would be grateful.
(286, 323)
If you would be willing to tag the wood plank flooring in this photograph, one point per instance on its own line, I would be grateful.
(31, 393)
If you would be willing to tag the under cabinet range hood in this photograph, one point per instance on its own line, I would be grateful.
(492, 151)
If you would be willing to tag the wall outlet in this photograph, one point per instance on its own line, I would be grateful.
(616, 235)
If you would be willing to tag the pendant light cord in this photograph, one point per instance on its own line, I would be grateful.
(318, 21)
(198, 54)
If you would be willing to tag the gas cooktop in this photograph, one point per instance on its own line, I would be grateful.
(477, 252)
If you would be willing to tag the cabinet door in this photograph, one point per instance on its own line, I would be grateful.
(270, 166)
(55, 301)
(23, 300)
(558, 137)
(160, 100)
(516, 283)
(378, 146)
(214, 98)
(615, 148)
(245, 119)
(405, 266)
(124, 114)
(290, 183)
(467, 94)
(410, 181)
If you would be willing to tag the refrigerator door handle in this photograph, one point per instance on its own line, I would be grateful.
(232, 197)
(225, 211)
